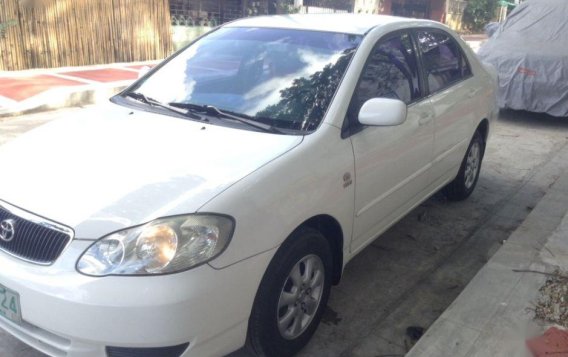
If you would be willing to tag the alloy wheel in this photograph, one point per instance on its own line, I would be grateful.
(472, 164)
(300, 296)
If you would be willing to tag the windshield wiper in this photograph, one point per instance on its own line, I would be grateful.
(153, 102)
(242, 118)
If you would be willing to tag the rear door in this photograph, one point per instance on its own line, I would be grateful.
(392, 163)
(451, 87)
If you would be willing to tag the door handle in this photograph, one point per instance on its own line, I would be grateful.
(424, 118)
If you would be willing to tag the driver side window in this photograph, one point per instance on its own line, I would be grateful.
(391, 72)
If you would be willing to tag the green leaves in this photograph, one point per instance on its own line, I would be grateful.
(478, 13)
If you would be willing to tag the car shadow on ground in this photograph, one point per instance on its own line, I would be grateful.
(532, 120)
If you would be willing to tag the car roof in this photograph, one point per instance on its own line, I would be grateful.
(341, 23)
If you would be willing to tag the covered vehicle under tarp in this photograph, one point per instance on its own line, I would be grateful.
(530, 52)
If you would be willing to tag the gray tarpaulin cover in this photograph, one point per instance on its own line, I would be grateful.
(530, 52)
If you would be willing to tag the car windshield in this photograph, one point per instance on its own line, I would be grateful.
(280, 77)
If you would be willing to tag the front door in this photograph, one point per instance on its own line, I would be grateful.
(392, 163)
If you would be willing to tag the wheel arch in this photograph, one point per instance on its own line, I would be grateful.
(330, 228)
(483, 128)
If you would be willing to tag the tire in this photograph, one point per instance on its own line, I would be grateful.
(464, 183)
(305, 248)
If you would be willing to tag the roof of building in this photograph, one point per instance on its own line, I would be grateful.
(342, 23)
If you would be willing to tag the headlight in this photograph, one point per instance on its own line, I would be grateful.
(163, 246)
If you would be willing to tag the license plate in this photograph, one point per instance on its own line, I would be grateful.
(10, 305)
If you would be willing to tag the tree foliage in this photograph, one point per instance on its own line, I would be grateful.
(478, 13)
(303, 104)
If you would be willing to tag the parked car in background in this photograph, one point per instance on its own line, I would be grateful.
(530, 52)
(491, 28)
(217, 200)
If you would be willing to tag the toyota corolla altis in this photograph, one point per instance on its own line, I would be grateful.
(213, 203)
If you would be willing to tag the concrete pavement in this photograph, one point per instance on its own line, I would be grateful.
(494, 314)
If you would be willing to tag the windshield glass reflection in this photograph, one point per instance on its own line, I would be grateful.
(281, 77)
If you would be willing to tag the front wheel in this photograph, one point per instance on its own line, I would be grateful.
(464, 183)
(292, 296)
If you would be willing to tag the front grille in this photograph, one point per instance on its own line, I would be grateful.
(31, 238)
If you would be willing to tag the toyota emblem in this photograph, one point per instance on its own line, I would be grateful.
(7, 230)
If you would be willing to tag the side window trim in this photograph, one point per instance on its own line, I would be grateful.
(422, 80)
(466, 61)
(347, 129)
(429, 93)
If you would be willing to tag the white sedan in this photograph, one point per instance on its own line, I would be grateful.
(213, 204)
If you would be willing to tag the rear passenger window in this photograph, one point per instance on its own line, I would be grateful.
(444, 62)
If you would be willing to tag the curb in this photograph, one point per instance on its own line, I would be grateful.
(65, 97)
(86, 90)
(490, 316)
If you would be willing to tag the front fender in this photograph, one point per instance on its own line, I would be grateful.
(271, 203)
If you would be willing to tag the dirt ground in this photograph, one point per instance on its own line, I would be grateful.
(552, 305)
(413, 272)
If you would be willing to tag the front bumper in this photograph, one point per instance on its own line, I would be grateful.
(68, 314)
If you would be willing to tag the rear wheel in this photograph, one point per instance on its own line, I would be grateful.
(292, 296)
(464, 183)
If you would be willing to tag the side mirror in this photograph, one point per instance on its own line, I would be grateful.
(382, 112)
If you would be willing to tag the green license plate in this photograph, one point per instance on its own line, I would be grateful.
(10, 305)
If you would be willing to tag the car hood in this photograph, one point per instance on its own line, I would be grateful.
(113, 168)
